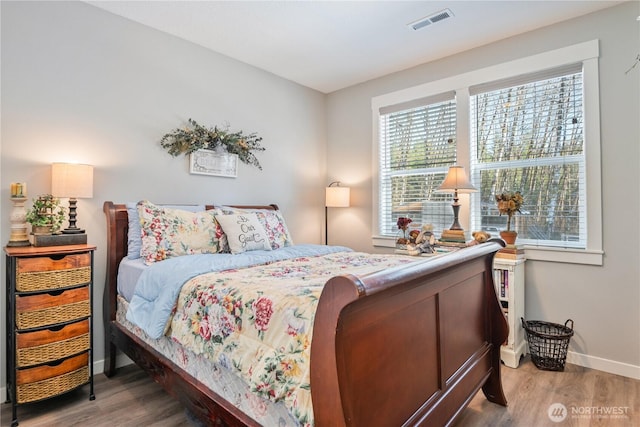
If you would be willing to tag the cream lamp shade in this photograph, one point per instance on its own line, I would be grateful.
(334, 197)
(337, 197)
(456, 181)
(72, 181)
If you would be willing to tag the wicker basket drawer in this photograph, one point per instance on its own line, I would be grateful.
(38, 383)
(44, 273)
(47, 345)
(35, 311)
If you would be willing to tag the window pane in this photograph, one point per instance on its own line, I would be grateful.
(413, 196)
(416, 147)
(422, 137)
(537, 120)
(551, 208)
(529, 138)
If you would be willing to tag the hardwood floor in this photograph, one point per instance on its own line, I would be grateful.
(132, 399)
(591, 398)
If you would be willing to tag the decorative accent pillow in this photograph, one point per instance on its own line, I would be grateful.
(272, 221)
(168, 232)
(134, 235)
(244, 232)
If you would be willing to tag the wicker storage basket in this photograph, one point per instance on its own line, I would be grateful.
(46, 273)
(35, 311)
(52, 315)
(43, 381)
(48, 345)
(548, 343)
(32, 392)
(47, 280)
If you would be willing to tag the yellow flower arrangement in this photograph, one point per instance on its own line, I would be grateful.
(509, 204)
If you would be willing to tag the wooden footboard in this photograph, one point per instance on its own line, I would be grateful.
(406, 346)
(410, 345)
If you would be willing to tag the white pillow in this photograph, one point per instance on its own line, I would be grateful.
(244, 232)
(271, 220)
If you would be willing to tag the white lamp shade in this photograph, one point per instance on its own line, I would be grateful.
(337, 197)
(456, 180)
(72, 180)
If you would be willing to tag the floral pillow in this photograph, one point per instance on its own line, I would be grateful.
(134, 235)
(244, 232)
(168, 232)
(272, 221)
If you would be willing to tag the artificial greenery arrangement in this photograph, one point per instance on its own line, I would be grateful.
(46, 212)
(509, 203)
(196, 137)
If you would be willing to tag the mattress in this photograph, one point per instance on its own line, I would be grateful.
(129, 271)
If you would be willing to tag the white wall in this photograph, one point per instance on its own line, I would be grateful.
(80, 84)
(604, 302)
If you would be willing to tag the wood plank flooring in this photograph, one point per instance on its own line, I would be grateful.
(132, 399)
(591, 398)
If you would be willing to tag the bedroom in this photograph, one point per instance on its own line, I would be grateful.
(84, 85)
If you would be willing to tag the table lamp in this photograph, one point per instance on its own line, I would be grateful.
(73, 181)
(456, 182)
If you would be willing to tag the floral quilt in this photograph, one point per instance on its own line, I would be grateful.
(258, 321)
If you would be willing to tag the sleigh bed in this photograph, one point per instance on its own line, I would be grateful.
(410, 344)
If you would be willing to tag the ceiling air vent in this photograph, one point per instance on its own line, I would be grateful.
(431, 19)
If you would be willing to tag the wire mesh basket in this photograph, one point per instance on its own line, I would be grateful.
(548, 343)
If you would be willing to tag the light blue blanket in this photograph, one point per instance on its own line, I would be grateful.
(159, 285)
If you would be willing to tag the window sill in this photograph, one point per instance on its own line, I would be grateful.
(566, 255)
(532, 253)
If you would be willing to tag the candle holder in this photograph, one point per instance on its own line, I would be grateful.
(18, 217)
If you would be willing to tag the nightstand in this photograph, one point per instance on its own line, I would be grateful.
(509, 282)
(49, 322)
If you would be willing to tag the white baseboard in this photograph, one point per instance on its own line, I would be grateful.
(121, 360)
(605, 365)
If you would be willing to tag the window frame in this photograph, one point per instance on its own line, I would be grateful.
(587, 53)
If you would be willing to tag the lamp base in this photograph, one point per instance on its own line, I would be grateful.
(75, 230)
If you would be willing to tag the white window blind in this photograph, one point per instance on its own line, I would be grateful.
(527, 136)
(417, 145)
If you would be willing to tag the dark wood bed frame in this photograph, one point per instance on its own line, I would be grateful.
(405, 346)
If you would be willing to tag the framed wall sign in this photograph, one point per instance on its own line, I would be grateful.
(207, 162)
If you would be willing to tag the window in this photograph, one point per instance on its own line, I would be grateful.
(417, 145)
(528, 136)
(529, 125)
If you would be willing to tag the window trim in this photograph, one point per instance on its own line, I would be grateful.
(587, 53)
